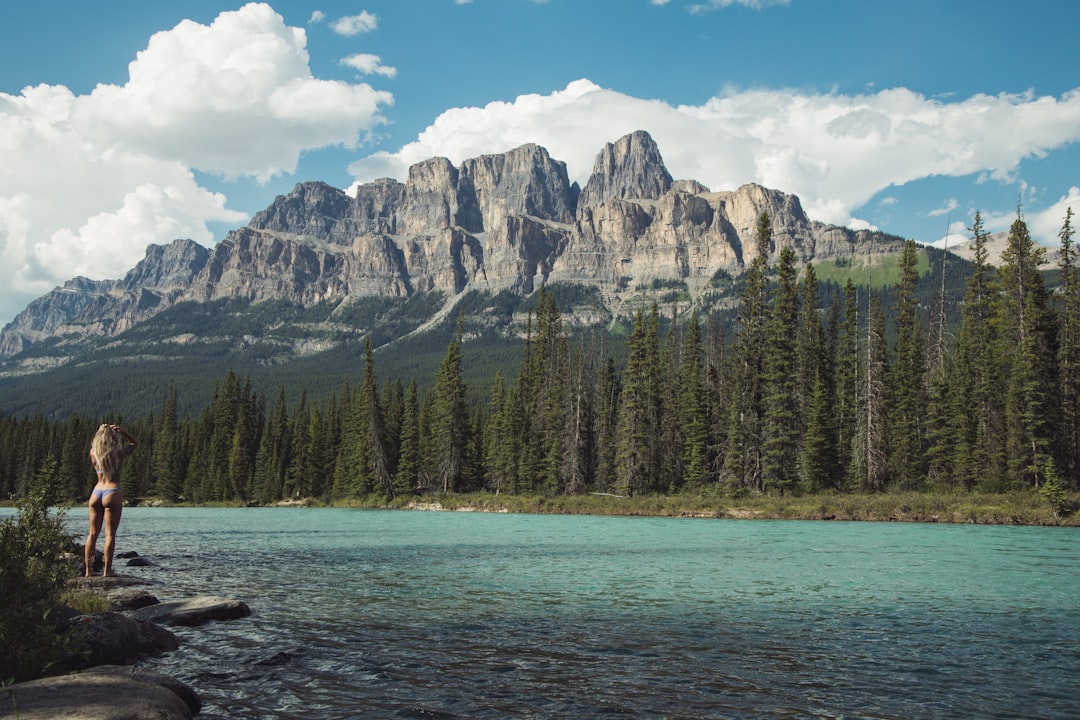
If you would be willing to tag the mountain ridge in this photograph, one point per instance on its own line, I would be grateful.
(497, 223)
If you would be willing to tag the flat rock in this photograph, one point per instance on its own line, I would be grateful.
(101, 583)
(129, 598)
(98, 694)
(115, 638)
(194, 611)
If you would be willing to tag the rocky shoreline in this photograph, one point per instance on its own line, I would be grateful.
(104, 683)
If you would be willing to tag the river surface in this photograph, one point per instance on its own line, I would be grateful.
(411, 614)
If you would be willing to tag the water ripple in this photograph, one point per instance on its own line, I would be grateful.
(442, 615)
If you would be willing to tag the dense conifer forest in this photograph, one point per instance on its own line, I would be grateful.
(797, 396)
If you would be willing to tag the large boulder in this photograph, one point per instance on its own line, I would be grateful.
(129, 598)
(104, 693)
(193, 611)
(114, 638)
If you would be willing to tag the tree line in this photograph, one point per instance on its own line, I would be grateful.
(801, 398)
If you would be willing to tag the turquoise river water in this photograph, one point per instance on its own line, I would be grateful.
(411, 614)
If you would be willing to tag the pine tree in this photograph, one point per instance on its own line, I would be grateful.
(743, 464)
(524, 407)
(450, 419)
(907, 381)
(869, 462)
(165, 453)
(810, 343)
(407, 478)
(781, 433)
(608, 396)
(718, 388)
(503, 438)
(976, 406)
(549, 385)
(819, 459)
(579, 454)
(274, 449)
(379, 460)
(301, 461)
(846, 373)
(670, 437)
(1068, 358)
(693, 409)
(1028, 354)
(637, 453)
(224, 418)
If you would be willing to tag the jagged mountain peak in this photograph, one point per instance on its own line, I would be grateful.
(500, 222)
(629, 168)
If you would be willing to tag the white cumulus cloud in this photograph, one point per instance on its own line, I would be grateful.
(355, 24)
(834, 151)
(88, 181)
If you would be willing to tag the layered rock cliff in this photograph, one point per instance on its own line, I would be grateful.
(497, 222)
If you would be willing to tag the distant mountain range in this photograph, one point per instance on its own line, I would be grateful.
(318, 269)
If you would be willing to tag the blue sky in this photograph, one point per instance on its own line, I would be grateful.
(129, 122)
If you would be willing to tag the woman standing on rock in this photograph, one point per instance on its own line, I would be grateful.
(107, 454)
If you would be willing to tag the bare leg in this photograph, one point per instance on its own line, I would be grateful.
(114, 506)
(96, 516)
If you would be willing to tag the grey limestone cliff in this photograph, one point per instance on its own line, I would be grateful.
(498, 222)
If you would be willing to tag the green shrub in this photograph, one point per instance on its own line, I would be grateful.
(32, 578)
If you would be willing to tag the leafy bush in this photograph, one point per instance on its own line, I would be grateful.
(32, 578)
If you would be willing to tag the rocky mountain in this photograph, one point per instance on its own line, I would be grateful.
(498, 223)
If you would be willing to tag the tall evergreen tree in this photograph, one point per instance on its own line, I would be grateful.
(271, 462)
(743, 464)
(810, 343)
(504, 438)
(637, 453)
(869, 469)
(693, 410)
(819, 459)
(1068, 359)
(450, 426)
(579, 453)
(407, 478)
(609, 390)
(1028, 353)
(846, 373)
(720, 399)
(781, 419)
(977, 436)
(379, 460)
(166, 447)
(549, 385)
(907, 386)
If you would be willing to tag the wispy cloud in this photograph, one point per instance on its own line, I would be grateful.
(713, 5)
(355, 24)
(367, 64)
(316, 17)
(949, 207)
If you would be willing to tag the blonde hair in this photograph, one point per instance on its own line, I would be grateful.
(109, 451)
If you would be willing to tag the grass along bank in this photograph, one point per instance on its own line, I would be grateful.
(1017, 508)
(1013, 508)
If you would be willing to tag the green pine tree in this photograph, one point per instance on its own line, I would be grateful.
(1068, 358)
(907, 381)
(1027, 351)
(450, 426)
(781, 426)
(743, 463)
